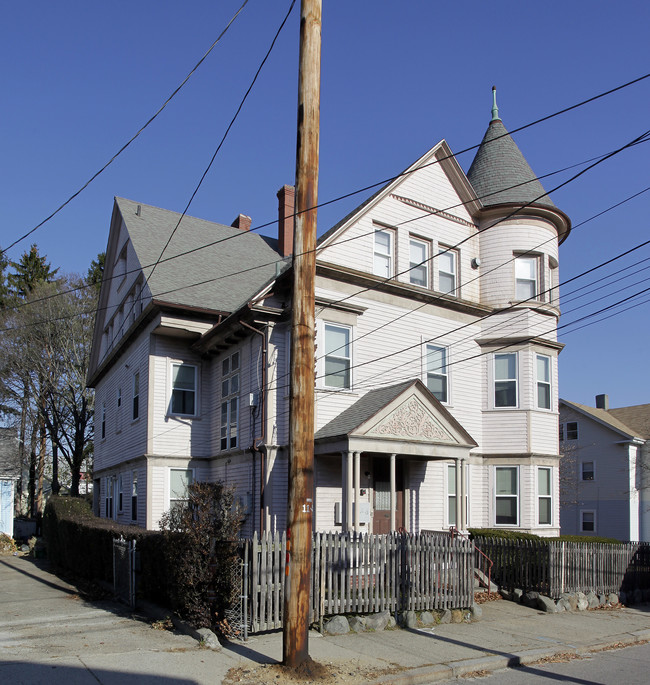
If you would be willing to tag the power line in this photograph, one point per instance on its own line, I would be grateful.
(126, 145)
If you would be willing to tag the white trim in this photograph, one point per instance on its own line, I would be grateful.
(454, 255)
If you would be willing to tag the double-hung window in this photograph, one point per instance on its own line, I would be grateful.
(179, 481)
(136, 396)
(587, 521)
(229, 401)
(505, 379)
(447, 261)
(419, 262)
(543, 381)
(544, 497)
(587, 470)
(526, 278)
(103, 420)
(183, 400)
(337, 356)
(571, 430)
(452, 496)
(134, 496)
(436, 369)
(383, 253)
(120, 495)
(506, 495)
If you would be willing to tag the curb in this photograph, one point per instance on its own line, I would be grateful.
(497, 662)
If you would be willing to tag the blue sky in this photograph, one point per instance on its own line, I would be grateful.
(80, 78)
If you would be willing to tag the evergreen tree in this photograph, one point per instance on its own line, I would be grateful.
(29, 271)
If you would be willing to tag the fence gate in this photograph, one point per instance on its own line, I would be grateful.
(124, 571)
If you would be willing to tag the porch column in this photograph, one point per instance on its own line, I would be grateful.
(357, 492)
(463, 495)
(459, 487)
(346, 490)
(393, 495)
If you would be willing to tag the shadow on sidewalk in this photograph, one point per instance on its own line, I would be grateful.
(29, 672)
(513, 659)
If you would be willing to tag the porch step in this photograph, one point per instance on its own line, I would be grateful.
(482, 580)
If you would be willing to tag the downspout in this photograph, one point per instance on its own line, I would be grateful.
(262, 437)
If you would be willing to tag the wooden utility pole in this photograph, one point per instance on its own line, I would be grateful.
(295, 647)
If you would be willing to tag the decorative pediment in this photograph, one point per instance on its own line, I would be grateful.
(411, 420)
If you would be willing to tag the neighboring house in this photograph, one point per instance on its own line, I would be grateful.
(605, 470)
(9, 474)
(436, 390)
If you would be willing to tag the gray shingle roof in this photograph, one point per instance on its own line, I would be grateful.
(636, 417)
(499, 169)
(228, 273)
(362, 410)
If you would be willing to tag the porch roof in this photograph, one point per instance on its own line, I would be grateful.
(403, 419)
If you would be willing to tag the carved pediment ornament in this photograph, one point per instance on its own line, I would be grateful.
(411, 420)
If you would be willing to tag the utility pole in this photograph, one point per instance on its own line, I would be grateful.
(295, 647)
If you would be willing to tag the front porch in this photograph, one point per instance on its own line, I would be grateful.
(376, 463)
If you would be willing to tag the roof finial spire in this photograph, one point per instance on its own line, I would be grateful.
(495, 109)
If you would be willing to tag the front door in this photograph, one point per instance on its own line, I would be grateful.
(381, 489)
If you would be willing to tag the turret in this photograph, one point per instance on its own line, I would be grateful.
(520, 226)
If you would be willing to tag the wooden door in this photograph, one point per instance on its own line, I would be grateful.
(381, 496)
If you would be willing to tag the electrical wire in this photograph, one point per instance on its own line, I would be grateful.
(128, 143)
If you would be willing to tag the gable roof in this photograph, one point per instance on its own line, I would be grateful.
(441, 154)
(607, 418)
(206, 265)
(501, 175)
(371, 415)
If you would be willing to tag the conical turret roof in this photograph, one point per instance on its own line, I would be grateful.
(499, 172)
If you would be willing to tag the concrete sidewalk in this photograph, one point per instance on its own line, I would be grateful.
(49, 634)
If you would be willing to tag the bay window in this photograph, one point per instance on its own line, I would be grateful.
(543, 364)
(506, 491)
(505, 380)
(184, 386)
(544, 497)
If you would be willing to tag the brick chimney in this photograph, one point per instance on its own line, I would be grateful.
(602, 402)
(286, 209)
(242, 221)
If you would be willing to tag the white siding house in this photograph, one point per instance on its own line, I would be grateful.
(436, 369)
(605, 470)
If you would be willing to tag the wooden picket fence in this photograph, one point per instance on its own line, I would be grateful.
(554, 567)
(358, 573)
